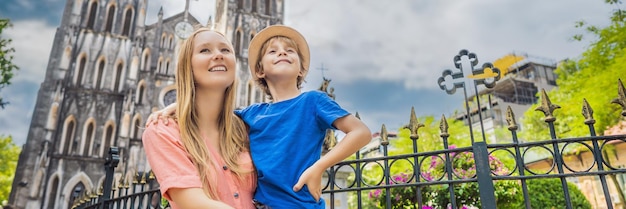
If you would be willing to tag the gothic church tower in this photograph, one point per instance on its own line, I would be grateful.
(240, 20)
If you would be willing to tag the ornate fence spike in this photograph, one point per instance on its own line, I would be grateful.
(136, 179)
(547, 107)
(143, 178)
(414, 125)
(588, 113)
(151, 175)
(100, 191)
(443, 127)
(383, 136)
(510, 119)
(621, 99)
(122, 180)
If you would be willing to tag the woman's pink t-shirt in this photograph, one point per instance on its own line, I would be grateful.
(173, 167)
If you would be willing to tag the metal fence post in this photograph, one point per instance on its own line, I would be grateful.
(483, 172)
(111, 162)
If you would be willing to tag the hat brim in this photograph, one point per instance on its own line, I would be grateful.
(272, 31)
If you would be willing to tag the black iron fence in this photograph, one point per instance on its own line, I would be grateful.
(413, 187)
(139, 192)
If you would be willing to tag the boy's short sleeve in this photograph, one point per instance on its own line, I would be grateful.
(328, 110)
(168, 159)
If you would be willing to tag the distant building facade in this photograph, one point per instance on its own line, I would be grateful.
(106, 73)
(522, 77)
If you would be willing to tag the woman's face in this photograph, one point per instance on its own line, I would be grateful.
(212, 61)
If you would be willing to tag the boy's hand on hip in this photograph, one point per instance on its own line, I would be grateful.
(313, 180)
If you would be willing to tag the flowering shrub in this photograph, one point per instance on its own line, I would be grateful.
(437, 196)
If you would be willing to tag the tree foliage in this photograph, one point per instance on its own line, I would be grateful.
(9, 154)
(594, 77)
(7, 68)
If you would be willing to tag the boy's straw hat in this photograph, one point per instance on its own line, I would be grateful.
(277, 30)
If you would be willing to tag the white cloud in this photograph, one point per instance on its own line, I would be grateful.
(413, 41)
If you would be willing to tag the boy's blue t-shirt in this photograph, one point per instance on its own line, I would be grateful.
(286, 138)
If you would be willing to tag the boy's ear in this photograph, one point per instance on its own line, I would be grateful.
(260, 73)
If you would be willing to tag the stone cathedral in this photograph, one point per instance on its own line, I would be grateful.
(106, 73)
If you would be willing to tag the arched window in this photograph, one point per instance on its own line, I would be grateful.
(70, 128)
(140, 91)
(163, 41)
(77, 191)
(268, 7)
(146, 60)
(99, 71)
(160, 66)
(128, 22)
(52, 193)
(89, 133)
(254, 6)
(107, 139)
(136, 135)
(167, 67)
(238, 41)
(118, 77)
(110, 18)
(172, 43)
(93, 11)
(81, 69)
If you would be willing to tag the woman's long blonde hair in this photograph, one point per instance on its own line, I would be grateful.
(233, 132)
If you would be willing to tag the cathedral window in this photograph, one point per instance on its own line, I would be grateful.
(268, 9)
(140, 91)
(128, 17)
(81, 69)
(254, 6)
(70, 127)
(77, 192)
(172, 43)
(118, 77)
(159, 65)
(146, 60)
(135, 129)
(108, 138)
(238, 41)
(93, 10)
(110, 18)
(99, 71)
(89, 133)
(167, 67)
(163, 41)
(52, 193)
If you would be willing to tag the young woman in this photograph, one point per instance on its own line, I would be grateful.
(203, 160)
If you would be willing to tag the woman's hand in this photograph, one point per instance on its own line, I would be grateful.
(163, 114)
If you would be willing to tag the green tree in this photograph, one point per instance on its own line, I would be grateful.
(9, 154)
(594, 76)
(7, 68)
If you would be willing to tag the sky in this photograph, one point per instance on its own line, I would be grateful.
(383, 57)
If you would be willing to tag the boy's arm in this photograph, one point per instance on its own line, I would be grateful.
(357, 136)
(169, 111)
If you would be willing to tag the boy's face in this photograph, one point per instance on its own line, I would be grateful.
(280, 61)
(212, 61)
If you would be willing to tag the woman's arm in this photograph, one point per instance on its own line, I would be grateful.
(193, 198)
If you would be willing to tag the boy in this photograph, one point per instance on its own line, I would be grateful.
(286, 135)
